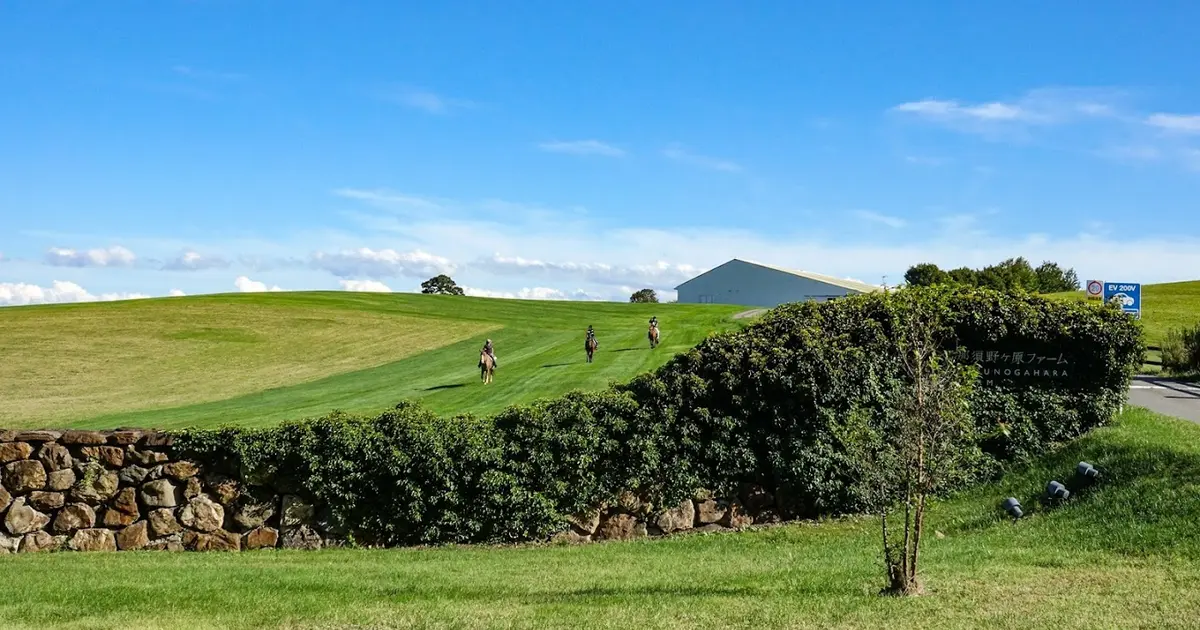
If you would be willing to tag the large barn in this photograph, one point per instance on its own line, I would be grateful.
(755, 284)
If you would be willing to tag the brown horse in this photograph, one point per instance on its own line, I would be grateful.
(653, 336)
(486, 367)
(590, 346)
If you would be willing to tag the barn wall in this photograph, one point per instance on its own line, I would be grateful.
(750, 285)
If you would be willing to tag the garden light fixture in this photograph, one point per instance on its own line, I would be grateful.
(1013, 507)
(1055, 490)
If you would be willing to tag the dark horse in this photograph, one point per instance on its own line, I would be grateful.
(590, 346)
(486, 367)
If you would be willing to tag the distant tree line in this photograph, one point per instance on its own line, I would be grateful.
(1014, 274)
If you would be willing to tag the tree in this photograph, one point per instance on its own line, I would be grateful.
(919, 443)
(964, 276)
(644, 296)
(441, 284)
(925, 275)
(1053, 279)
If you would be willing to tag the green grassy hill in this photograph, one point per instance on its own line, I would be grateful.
(1124, 555)
(1164, 306)
(256, 359)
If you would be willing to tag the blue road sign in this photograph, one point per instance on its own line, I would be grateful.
(1128, 296)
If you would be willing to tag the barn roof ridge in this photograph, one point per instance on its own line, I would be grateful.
(845, 283)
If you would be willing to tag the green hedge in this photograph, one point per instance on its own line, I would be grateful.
(761, 405)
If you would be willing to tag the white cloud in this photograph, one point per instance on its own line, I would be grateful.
(582, 147)
(388, 200)
(1011, 120)
(382, 263)
(655, 275)
(680, 154)
(115, 256)
(426, 100)
(883, 219)
(20, 293)
(534, 293)
(370, 286)
(176, 293)
(933, 108)
(246, 285)
(194, 261)
(1175, 122)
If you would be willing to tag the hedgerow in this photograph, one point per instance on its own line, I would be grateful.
(762, 405)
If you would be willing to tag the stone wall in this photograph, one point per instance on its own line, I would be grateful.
(124, 490)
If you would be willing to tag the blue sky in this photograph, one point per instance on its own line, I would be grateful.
(543, 149)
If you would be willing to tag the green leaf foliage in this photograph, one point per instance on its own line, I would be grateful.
(767, 405)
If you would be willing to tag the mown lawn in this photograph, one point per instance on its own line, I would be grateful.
(258, 359)
(1125, 555)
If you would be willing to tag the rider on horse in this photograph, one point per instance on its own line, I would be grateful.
(591, 335)
(490, 351)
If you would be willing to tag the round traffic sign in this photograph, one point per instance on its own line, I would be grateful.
(1095, 287)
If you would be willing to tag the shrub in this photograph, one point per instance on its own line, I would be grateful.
(765, 405)
(1181, 350)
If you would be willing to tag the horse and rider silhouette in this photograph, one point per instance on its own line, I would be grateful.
(487, 355)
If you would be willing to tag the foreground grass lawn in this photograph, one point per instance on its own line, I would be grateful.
(1125, 555)
(259, 359)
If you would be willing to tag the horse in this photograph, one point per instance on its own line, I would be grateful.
(653, 336)
(486, 367)
(590, 346)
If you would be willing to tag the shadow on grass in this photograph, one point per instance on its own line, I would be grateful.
(441, 387)
(415, 593)
(554, 365)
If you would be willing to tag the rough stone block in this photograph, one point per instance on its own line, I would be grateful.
(111, 456)
(296, 512)
(38, 436)
(736, 516)
(219, 540)
(202, 514)
(95, 485)
(301, 537)
(571, 536)
(133, 475)
(125, 437)
(55, 457)
(73, 517)
(22, 519)
(180, 471)
(13, 451)
(261, 538)
(24, 476)
(46, 501)
(5, 499)
(163, 523)
(157, 438)
(134, 537)
(116, 519)
(160, 493)
(37, 542)
(83, 438)
(678, 518)
(620, 527)
(192, 488)
(251, 514)
(755, 498)
(709, 511)
(8, 435)
(8, 545)
(61, 480)
(223, 489)
(93, 540)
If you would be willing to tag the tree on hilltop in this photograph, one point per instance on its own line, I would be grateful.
(644, 296)
(441, 284)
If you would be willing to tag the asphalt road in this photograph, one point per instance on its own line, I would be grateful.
(1170, 398)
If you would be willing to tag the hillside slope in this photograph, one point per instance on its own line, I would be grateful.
(261, 358)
